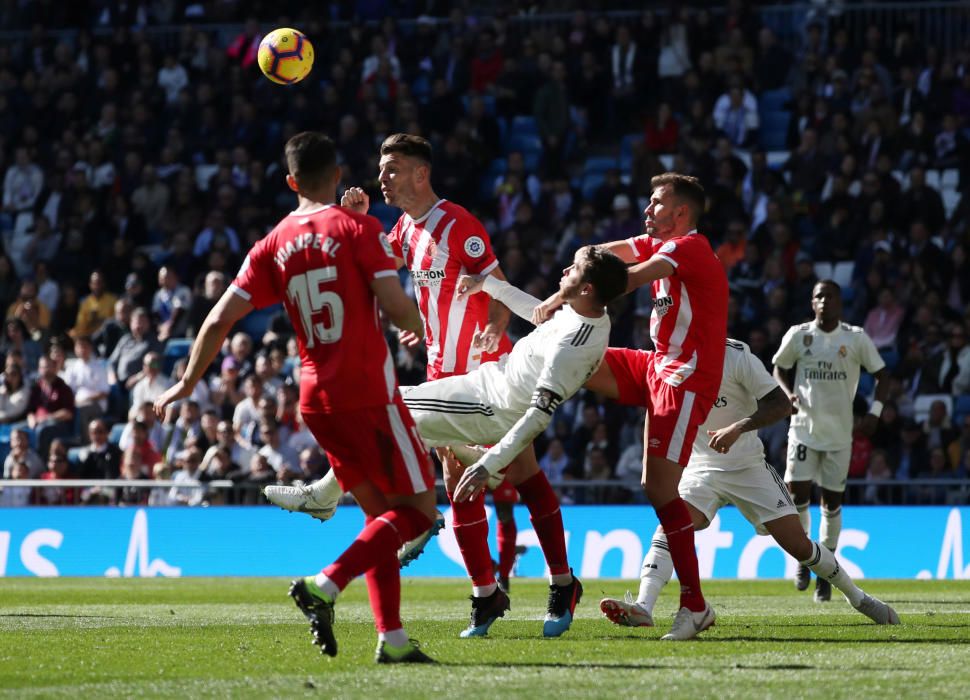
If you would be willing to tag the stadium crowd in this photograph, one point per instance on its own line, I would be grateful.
(140, 163)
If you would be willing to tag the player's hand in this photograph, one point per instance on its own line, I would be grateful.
(722, 439)
(355, 199)
(470, 284)
(544, 311)
(870, 424)
(177, 391)
(472, 483)
(408, 339)
(794, 404)
(487, 339)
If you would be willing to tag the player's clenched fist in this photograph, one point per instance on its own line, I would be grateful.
(356, 199)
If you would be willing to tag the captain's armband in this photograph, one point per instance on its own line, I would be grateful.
(546, 400)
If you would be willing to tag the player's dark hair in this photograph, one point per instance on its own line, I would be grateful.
(409, 145)
(606, 272)
(310, 158)
(830, 283)
(686, 188)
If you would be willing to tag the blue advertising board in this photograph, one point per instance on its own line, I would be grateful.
(931, 542)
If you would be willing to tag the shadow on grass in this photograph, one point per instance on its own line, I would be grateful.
(99, 617)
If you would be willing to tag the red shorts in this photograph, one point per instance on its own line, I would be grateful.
(673, 413)
(378, 444)
(505, 493)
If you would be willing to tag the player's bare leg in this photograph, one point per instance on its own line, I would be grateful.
(391, 521)
(829, 530)
(801, 492)
(565, 591)
(470, 525)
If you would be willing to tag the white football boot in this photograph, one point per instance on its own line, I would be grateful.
(300, 499)
(877, 611)
(626, 612)
(688, 625)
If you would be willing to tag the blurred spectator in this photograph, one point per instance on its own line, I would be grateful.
(21, 452)
(212, 289)
(127, 358)
(22, 183)
(58, 468)
(29, 309)
(113, 329)
(662, 130)
(95, 309)
(152, 383)
(14, 395)
(878, 471)
(100, 459)
(736, 115)
(883, 321)
(12, 496)
(171, 304)
(87, 376)
(50, 409)
(185, 428)
(188, 472)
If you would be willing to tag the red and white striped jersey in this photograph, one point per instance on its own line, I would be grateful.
(689, 320)
(438, 248)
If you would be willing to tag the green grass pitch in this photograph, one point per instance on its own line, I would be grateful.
(244, 638)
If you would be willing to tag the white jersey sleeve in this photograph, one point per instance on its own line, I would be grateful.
(787, 354)
(866, 353)
(521, 303)
(744, 381)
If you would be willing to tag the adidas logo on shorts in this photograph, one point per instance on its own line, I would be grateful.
(781, 504)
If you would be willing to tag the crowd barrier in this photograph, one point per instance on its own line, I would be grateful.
(928, 542)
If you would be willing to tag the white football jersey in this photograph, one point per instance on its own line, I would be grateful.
(744, 380)
(560, 355)
(826, 377)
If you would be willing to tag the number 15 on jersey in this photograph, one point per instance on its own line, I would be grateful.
(312, 301)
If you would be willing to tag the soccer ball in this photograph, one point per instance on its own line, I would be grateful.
(285, 56)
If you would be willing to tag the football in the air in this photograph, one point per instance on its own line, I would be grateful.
(285, 56)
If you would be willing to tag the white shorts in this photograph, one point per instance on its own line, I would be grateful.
(455, 411)
(829, 469)
(755, 489)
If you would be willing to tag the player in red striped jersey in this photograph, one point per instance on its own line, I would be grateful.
(331, 268)
(679, 380)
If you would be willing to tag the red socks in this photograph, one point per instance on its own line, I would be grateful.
(375, 552)
(540, 499)
(471, 532)
(506, 536)
(677, 525)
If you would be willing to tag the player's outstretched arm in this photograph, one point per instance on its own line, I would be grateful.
(648, 271)
(772, 407)
(230, 308)
(521, 303)
(621, 249)
(398, 306)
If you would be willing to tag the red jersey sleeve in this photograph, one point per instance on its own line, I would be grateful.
(394, 238)
(257, 280)
(643, 247)
(373, 251)
(470, 242)
(684, 250)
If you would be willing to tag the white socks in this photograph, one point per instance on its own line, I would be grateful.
(326, 491)
(824, 565)
(830, 528)
(656, 571)
(396, 638)
(327, 586)
(484, 591)
(560, 579)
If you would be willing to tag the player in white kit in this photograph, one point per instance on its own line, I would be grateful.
(825, 357)
(506, 405)
(727, 465)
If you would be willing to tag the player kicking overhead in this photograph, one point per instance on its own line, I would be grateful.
(332, 268)
(727, 465)
(678, 381)
(825, 356)
(438, 241)
(508, 405)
